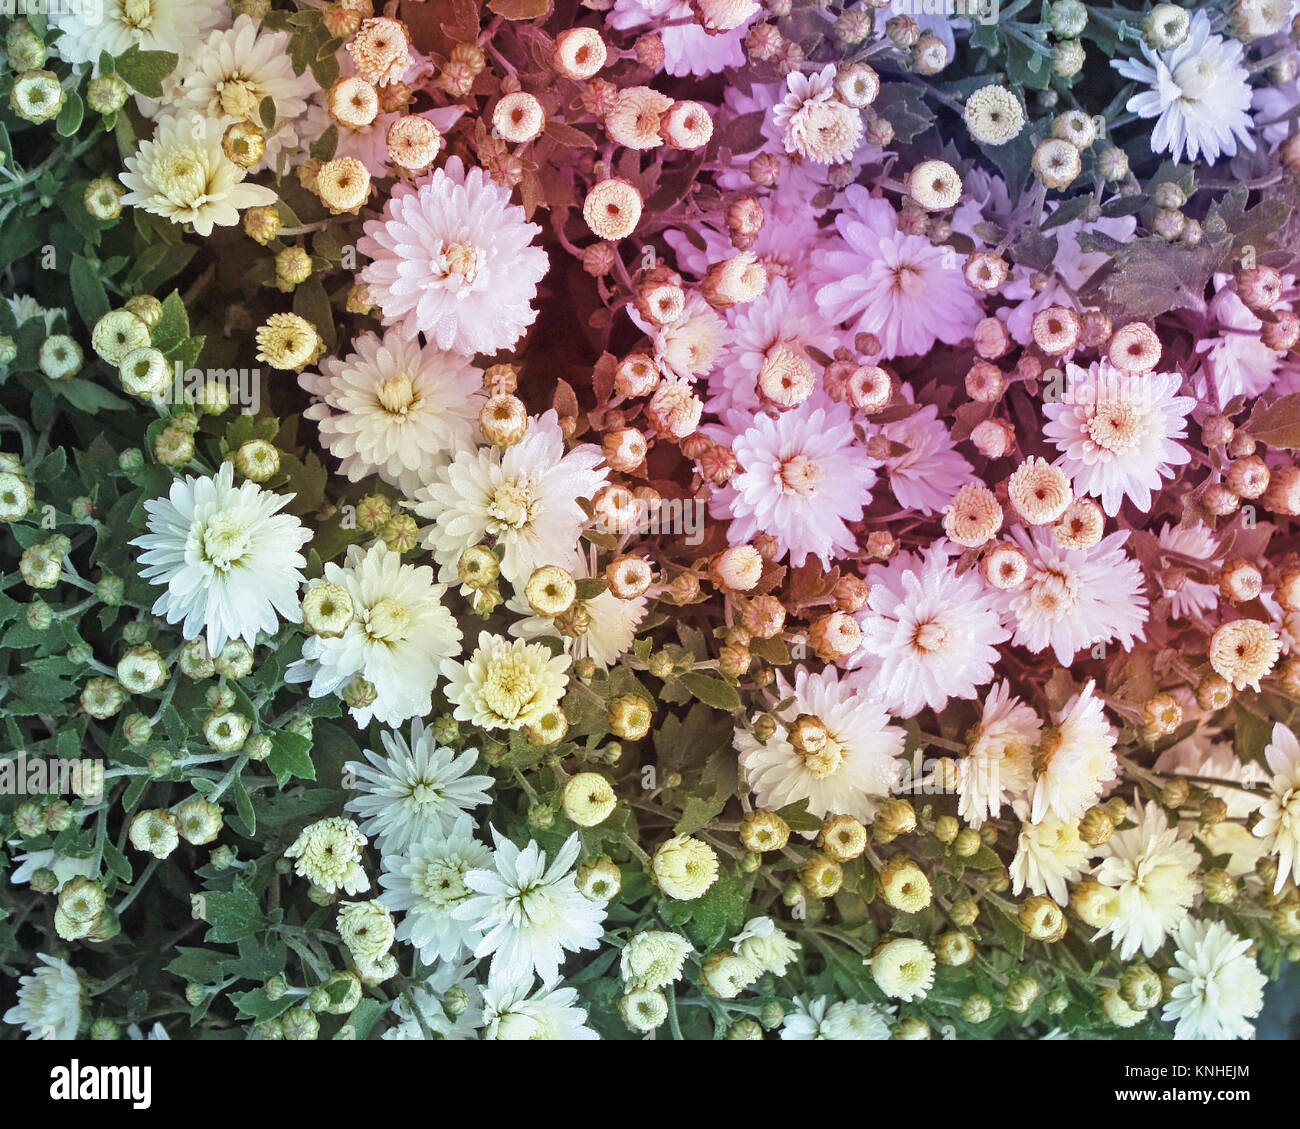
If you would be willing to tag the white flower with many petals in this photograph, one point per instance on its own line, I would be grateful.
(1075, 759)
(689, 49)
(49, 1001)
(802, 476)
(850, 774)
(530, 914)
(149, 25)
(1218, 986)
(429, 1011)
(1197, 542)
(1116, 432)
(1153, 866)
(510, 1013)
(400, 632)
(454, 259)
(815, 125)
(1234, 361)
(415, 789)
(999, 763)
(1075, 598)
(1199, 96)
(525, 500)
(820, 1019)
(928, 634)
(396, 409)
(1048, 855)
(1279, 824)
(425, 881)
(188, 179)
(229, 559)
(900, 287)
(506, 683)
(63, 867)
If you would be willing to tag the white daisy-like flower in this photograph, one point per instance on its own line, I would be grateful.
(230, 75)
(425, 881)
(400, 632)
(815, 125)
(229, 559)
(690, 345)
(429, 1012)
(63, 867)
(765, 946)
(188, 179)
(929, 472)
(900, 287)
(1190, 597)
(1048, 855)
(1075, 759)
(1234, 361)
(1117, 433)
(24, 308)
(49, 1001)
(1075, 598)
(850, 774)
(395, 409)
(689, 49)
(1279, 824)
(525, 500)
(328, 854)
(999, 763)
(802, 477)
(530, 914)
(1199, 756)
(506, 683)
(454, 259)
(819, 1019)
(414, 790)
(509, 1012)
(150, 25)
(1218, 986)
(1199, 96)
(1154, 868)
(928, 634)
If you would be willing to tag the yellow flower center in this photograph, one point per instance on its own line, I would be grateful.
(224, 541)
(388, 621)
(397, 394)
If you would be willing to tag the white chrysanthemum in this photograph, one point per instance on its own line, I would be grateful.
(1154, 868)
(150, 25)
(653, 959)
(506, 683)
(1234, 361)
(802, 477)
(820, 1019)
(25, 308)
(928, 634)
(393, 408)
(229, 76)
(63, 867)
(903, 968)
(690, 346)
(416, 789)
(49, 1001)
(815, 125)
(1191, 597)
(1048, 855)
(765, 946)
(1197, 756)
(525, 499)
(1199, 96)
(900, 287)
(189, 179)
(1075, 760)
(530, 914)
(999, 763)
(228, 557)
(428, 997)
(689, 49)
(1279, 824)
(454, 259)
(425, 881)
(399, 634)
(1218, 986)
(930, 470)
(1117, 432)
(509, 1012)
(328, 854)
(1075, 598)
(851, 774)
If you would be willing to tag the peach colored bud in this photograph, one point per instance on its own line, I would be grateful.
(763, 42)
(984, 271)
(1239, 580)
(993, 438)
(1219, 500)
(353, 102)
(1248, 477)
(857, 85)
(1217, 430)
(985, 382)
(612, 209)
(674, 411)
(734, 281)
(343, 185)
(869, 388)
(1283, 493)
(1081, 526)
(501, 379)
(579, 52)
(834, 636)
(737, 569)
(649, 50)
(624, 449)
(599, 97)
(881, 544)
(503, 420)
(684, 588)
(598, 259)
(1097, 328)
(765, 170)
(1056, 330)
(973, 516)
(635, 117)
(1260, 288)
(850, 593)
(518, 118)
(763, 617)
(381, 50)
(629, 577)
(1039, 491)
(1286, 589)
(1004, 566)
(1135, 349)
(1283, 332)
(991, 338)
(686, 125)
(616, 509)
(787, 377)
(718, 464)
(744, 221)
(660, 303)
(413, 143)
(636, 375)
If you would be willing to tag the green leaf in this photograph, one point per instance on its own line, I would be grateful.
(719, 913)
(145, 70)
(70, 117)
(1277, 422)
(363, 1019)
(697, 813)
(173, 326)
(290, 756)
(231, 916)
(266, 111)
(712, 691)
(324, 146)
(311, 302)
(88, 397)
(88, 293)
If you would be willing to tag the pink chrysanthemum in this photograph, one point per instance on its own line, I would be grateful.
(802, 476)
(1190, 597)
(688, 48)
(927, 475)
(454, 259)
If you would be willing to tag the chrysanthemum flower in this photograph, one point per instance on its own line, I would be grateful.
(50, 1001)
(1218, 986)
(399, 633)
(524, 499)
(230, 561)
(1075, 760)
(999, 763)
(931, 470)
(394, 408)
(530, 914)
(1048, 855)
(1154, 868)
(509, 1012)
(1190, 597)
(189, 179)
(506, 684)
(328, 854)
(1279, 824)
(819, 1019)
(849, 774)
(814, 123)
(149, 25)
(454, 259)
(928, 634)
(1117, 432)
